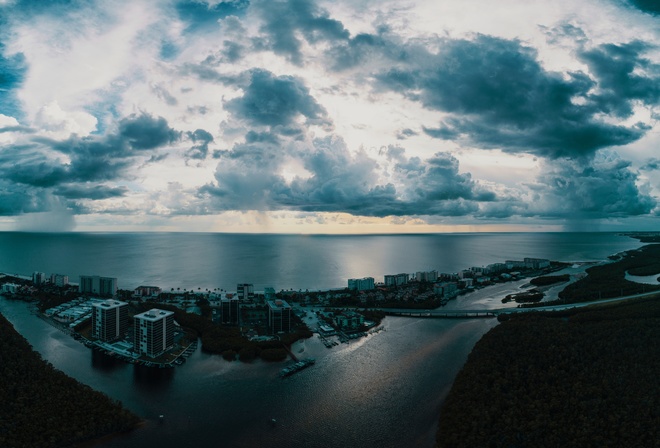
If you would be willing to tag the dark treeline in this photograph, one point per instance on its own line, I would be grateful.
(608, 280)
(580, 378)
(42, 407)
(550, 280)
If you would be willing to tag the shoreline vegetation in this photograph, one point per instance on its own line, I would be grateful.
(43, 407)
(579, 378)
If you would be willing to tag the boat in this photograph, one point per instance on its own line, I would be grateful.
(297, 367)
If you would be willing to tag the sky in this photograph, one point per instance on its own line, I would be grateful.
(304, 116)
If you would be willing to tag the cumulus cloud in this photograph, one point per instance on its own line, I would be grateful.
(605, 187)
(286, 22)
(270, 100)
(248, 178)
(499, 96)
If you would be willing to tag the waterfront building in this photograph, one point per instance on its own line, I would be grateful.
(397, 279)
(279, 316)
(349, 320)
(446, 290)
(514, 264)
(109, 320)
(361, 284)
(230, 311)
(245, 292)
(153, 332)
(430, 276)
(38, 278)
(101, 286)
(10, 288)
(60, 280)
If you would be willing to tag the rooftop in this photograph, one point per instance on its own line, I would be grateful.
(154, 314)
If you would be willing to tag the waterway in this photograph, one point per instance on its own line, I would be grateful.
(384, 390)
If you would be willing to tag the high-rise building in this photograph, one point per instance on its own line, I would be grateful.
(279, 316)
(269, 293)
(38, 278)
(101, 286)
(245, 292)
(230, 311)
(109, 320)
(361, 284)
(153, 332)
(397, 279)
(59, 280)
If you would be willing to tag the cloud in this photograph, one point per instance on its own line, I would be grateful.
(146, 132)
(200, 15)
(648, 6)
(285, 22)
(12, 72)
(605, 187)
(270, 100)
(248, 178)
(652, 164)
(200, 148)
(498, 95)
(624, 76)
(94, 192)
(45, 168)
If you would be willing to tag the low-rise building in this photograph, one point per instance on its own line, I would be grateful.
(147, 291)
(349, 320)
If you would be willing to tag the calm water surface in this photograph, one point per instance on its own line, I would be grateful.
(194, 260)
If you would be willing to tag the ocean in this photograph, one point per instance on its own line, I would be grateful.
(384, 390)
(314, 262)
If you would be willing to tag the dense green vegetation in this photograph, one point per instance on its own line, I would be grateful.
(549, 280)
(608, 280)
(579, 378)
(42, 407)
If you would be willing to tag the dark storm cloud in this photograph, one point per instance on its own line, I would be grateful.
(12, 72)
(624, 75)
(270, 100)
(16, 199)
(247, 179)
(146, 132)
(200, 148)
(86, 160)
(648, 6)
(95, 192)
(499, 96)
(596, 189)
(405, 133)
(286, 21)
(201, 15)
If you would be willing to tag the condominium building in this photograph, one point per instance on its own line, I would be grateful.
(101, 286)
(279, 316)
(230, 310)
(38, 278)
(59, 280)
(396, 279)
(245, 292)
(109, 320)
(153, 332)
(361, 284)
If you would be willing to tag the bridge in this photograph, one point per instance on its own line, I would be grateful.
(471, 314)
(453, 314)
